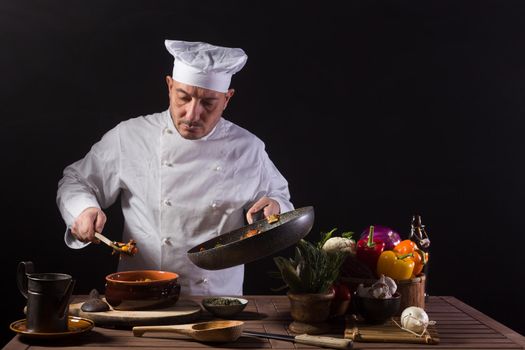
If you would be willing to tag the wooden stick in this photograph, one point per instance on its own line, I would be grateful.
(105, 240)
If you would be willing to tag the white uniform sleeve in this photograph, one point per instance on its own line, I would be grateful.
(90, 182)
(276, 184)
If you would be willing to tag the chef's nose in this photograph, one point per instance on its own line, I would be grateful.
(193, 111)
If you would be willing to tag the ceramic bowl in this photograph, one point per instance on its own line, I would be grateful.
(376, 310)
(142, 289)
(223, 306)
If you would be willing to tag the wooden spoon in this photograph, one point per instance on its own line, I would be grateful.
(213, 331)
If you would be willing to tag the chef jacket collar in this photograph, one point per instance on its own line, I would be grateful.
(204, 138)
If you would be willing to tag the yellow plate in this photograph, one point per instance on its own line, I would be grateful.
(75, 325)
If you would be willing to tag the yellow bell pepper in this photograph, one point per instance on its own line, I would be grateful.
(394, 265)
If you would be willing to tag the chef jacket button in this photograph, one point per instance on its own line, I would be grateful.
(218, 168)
(168, 131)
(205, 280)
(214, 205)
(166, 163)
(167, 202)
(166, 241)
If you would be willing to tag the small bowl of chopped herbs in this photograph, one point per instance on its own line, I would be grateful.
(224, 306)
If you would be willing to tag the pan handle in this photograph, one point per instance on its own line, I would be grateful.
(258, 215)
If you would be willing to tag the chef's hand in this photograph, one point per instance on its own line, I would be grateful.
(268, 205)
(90, 220)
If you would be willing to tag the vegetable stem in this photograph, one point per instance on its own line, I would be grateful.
(401, 257)
(371, 242)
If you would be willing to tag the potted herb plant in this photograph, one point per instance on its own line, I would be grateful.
(309, 277)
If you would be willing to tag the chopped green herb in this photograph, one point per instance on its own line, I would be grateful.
(222, 301)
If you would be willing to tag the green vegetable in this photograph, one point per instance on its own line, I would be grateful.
(222, 301)
(312, 270)
(326, 236)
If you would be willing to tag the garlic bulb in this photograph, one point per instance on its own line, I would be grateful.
(415, 319)
(390, 283)
(384, 288)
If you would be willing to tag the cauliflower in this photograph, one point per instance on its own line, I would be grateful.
(340, 244)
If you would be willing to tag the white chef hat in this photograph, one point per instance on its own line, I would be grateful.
(205, 65)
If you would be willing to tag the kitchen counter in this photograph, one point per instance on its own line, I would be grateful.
(459, 325)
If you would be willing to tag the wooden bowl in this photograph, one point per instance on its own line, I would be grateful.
(226, 310)
(142, 289)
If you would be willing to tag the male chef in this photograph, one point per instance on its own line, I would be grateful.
(185, 175)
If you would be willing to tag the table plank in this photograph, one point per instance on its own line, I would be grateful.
(459, 326)
(500, 328)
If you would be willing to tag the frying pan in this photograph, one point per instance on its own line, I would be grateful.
(229, 250)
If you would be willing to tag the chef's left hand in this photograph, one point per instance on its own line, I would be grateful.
(268, 205)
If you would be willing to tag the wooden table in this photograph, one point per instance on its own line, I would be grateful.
(459, 325)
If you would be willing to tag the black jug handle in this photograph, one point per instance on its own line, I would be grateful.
(24, 268)
(64, 303)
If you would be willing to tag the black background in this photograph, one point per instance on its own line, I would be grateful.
(372, 110)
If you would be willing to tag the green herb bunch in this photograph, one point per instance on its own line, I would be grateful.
(311, 270)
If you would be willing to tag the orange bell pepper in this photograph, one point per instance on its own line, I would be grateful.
(395, 265)
(410, 247)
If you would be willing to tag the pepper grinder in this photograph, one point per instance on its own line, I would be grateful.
(420, 237)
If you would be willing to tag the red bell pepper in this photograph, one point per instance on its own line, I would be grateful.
(341, 300)
(342, 292)
(369, 249)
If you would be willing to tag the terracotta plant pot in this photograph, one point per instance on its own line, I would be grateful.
(310, 311)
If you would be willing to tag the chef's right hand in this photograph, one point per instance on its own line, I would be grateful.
(90, 220)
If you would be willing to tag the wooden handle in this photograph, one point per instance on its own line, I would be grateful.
(327, 342)
(138, 331)
(104, 239)
(381, 337)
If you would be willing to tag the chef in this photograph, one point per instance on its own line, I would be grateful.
(184, 175)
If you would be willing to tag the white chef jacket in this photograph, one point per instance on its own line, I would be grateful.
(175, 193)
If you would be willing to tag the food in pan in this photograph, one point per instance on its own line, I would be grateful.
(217, 245)
(250, 233)
(273, 218)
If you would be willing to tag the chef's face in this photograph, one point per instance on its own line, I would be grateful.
(195, 111)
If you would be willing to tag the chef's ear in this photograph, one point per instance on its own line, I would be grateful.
(228, 95)
(169, 82)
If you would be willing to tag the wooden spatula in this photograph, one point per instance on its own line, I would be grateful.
(212, 331)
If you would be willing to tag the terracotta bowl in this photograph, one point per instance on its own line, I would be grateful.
(376, 310)
(142, 289)
(213, 305)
